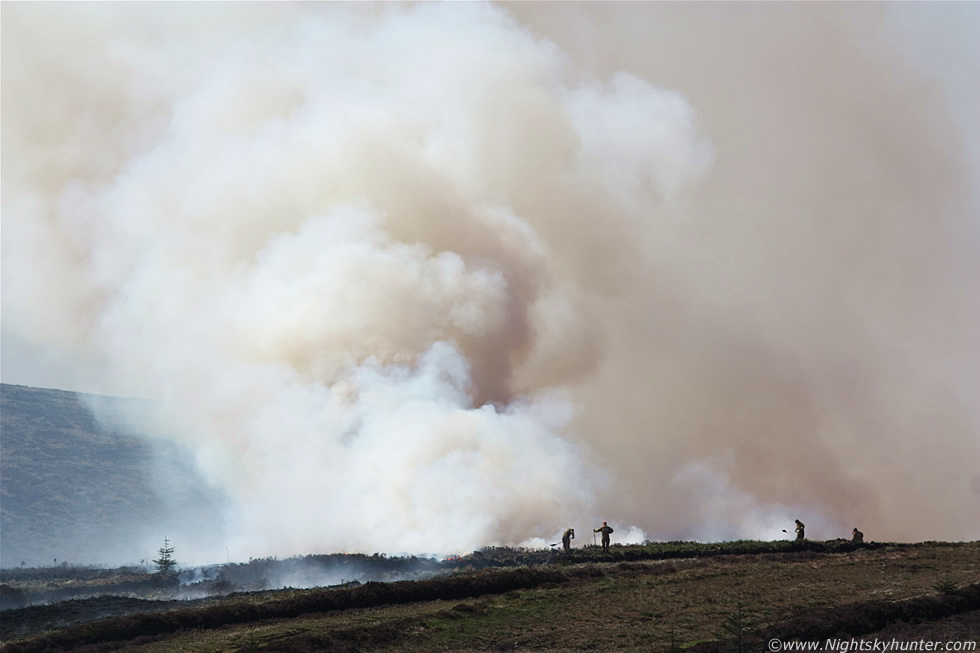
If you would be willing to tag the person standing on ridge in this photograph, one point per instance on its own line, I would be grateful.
(606, 530)
(800, 530)
(857, 536)
(566, 539)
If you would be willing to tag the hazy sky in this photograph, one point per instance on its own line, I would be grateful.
(465, 274)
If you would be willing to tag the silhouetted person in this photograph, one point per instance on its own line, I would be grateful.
(566, 539)
(857, 536)
(800, 531)
(606, 530)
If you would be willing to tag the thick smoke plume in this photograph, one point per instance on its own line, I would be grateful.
(431, 277)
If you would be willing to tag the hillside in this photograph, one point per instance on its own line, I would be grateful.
(77, 491)
(656, 597)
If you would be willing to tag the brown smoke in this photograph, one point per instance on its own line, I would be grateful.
(808, 325)
(470, 274)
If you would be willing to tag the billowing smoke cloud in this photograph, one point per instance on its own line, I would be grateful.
(427, 278)
(803, 338)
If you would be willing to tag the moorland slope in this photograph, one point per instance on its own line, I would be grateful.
(655, 597)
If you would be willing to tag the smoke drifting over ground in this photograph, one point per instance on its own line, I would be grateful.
(427, 278)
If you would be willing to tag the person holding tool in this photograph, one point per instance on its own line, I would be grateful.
(800, 530)
(606, 530)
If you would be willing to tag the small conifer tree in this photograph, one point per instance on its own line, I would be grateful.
(166, 563)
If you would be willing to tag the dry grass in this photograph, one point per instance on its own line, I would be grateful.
(645, 605)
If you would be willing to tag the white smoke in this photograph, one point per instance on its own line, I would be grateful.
(723, 512)
(306, 238)
(414, 278)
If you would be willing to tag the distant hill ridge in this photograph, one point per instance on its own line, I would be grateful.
(75, 490)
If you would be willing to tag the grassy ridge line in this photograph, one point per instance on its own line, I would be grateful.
(371, 594)
(510, 557)
(669, 550)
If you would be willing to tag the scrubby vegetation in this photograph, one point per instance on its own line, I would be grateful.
(652, 597)
(371, 594)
